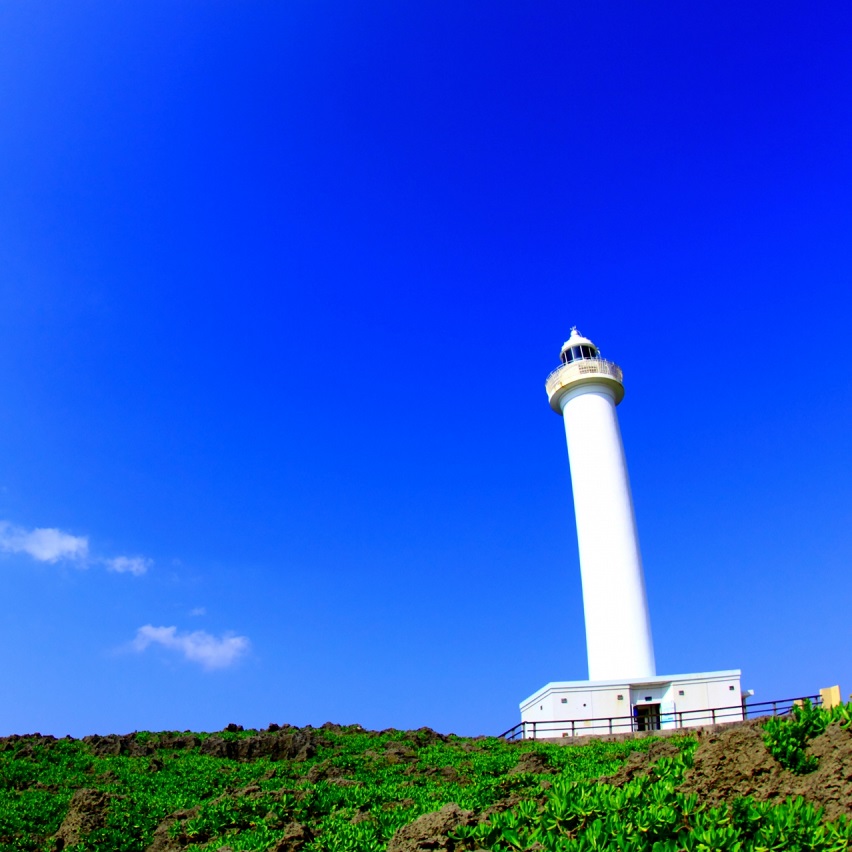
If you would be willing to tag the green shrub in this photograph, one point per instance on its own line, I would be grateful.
(787, 737)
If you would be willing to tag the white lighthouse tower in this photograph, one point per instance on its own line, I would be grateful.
(624, 693)
(585, 390)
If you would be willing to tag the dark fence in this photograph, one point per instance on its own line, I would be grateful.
(663, 721)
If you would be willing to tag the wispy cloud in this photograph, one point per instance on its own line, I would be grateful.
(199, 610)
(44, 544)
(135, 565)
(199, 646)
(48, 544)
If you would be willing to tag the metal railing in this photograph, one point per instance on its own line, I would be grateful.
(663, 721)
(589, 366)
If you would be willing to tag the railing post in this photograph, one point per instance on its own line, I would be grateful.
(713, 715)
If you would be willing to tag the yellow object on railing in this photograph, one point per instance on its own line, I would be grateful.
(830, 697)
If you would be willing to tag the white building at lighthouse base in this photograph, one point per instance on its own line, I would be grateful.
(573, 708)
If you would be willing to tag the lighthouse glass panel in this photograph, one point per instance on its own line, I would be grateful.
(579, 353)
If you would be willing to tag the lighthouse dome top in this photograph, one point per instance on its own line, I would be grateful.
(577, 347)
(576, 339)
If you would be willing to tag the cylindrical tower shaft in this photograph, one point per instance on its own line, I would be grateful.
(618, 627)
(585, 391)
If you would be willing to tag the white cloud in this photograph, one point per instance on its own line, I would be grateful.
(135, 565)
(199, 610)
(47, 544)
(43, 543)
(197, 647)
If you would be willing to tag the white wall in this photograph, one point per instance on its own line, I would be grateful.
(591, 705)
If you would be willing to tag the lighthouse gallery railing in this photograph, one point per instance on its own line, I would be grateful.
(676, 720)
(587, 367)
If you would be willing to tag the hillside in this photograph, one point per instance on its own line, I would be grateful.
(336, 789)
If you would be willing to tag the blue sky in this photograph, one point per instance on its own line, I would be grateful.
(281, 284)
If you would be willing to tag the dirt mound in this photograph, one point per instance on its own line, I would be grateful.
(639, 762)
(533, 761)
(296, 836)
(278, 744)
(430, 831)
(162, 840)
(735, 762)
(86, 812)
(281, 745)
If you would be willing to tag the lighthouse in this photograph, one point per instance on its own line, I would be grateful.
(585, 390)
(624, 693)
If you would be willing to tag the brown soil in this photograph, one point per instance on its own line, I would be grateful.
(86, 812)
(431, 831)
(735, 762)
(732, 761)
(639, 762)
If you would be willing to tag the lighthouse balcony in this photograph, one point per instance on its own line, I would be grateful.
(583, 371)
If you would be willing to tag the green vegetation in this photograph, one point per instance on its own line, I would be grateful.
(648, 814)
(347, 790)
(787, 737)
(352, 793)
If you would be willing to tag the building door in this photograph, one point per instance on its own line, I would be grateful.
(647, 717)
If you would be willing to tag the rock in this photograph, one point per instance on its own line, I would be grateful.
(323, 771)
(396, 752)
(86, 812)
(295, 837)
(162, 840)
(735, 762)
(177, 741)
(640, 762)
(534, 762)
(109, 745)
(430, 831)
(280, 745)
(252, 791)
(447, 773)
(426, 736)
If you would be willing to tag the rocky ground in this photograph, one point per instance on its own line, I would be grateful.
(730, 762)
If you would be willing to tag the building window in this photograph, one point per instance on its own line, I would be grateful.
(564, 700)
